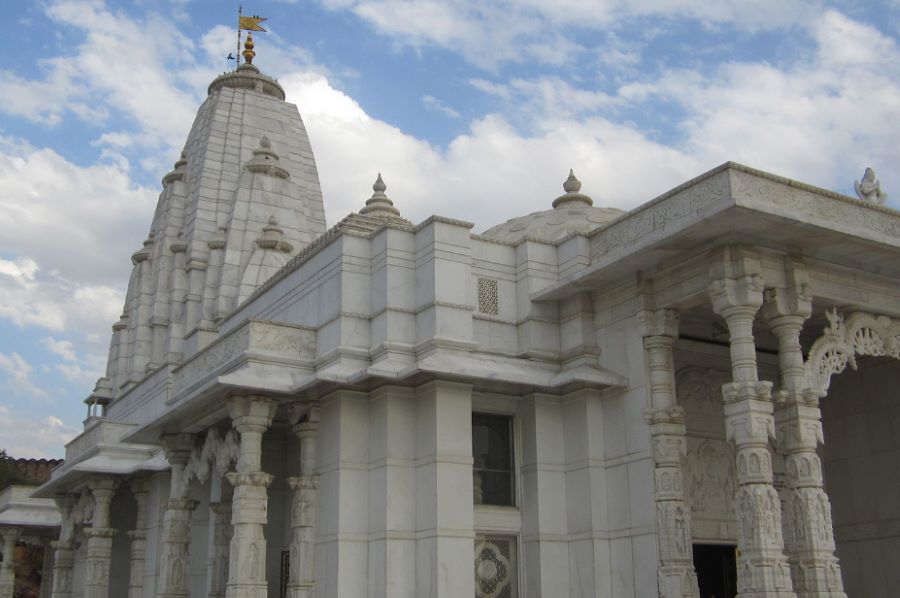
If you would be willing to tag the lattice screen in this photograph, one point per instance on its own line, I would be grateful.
(495, 566)
(488, 296)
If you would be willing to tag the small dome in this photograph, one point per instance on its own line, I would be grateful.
(573, 212)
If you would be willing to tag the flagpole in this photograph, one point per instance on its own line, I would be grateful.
(238, 53)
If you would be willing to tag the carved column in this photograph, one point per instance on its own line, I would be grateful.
(676, 576)
(247, 571)
(174, 562)
(8, 566)
(46, 568)
(100, 537)
(303, 506)
(762, 567)
(221, 512)
(138, 540)
(809, 538)
(64, 548)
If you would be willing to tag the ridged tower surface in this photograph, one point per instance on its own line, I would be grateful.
(242, 199)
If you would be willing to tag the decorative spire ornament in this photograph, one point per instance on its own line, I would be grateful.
(379, 202)
(572, 187)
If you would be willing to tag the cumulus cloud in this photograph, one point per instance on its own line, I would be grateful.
(36, 438)
(80, 222)
(18, 372)
(489, 174)
(489, 34)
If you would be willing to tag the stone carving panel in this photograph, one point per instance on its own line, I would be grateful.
(709, 472)
(683, 201)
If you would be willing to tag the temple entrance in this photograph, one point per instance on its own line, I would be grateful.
(861, 421)
(716, 567)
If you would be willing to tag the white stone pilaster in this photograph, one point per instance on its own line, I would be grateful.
(445, 543)
(545, 546)
(251, 416)
(221, 512)
(342, 526)
(138, 538)
(64, 548)
(196, 269)
(676, 575)
(392, 493)
(100, 536)
(301, 583)
(809, 541)
(763, 570)
(176, 533)
(10, 536)
(142, 345)
(586, 491)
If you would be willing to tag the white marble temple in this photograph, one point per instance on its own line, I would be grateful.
(288, 410)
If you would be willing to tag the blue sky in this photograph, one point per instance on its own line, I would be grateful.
(470, 109)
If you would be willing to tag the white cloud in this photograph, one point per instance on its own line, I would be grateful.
(488, 34)
(61, 348)
(26, 437)
(433, 104)
(488, 175)
(80, 221)
(18, 376)
(822, 119)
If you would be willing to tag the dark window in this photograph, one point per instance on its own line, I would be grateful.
(492, 449)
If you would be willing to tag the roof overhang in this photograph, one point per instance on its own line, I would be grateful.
(735, 204)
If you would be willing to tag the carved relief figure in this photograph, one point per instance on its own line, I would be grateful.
(710, 477)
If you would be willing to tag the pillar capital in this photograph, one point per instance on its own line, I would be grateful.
(795, 298)
(103, 489)
(735, 282)
(178, 447)
(658, 322)
(304, 418)
(251, 413)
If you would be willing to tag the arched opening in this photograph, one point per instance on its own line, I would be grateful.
(861, 461)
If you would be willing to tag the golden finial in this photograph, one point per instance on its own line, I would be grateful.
(248, 49)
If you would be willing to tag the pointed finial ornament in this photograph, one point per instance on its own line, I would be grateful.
(379, 203)
(573, 195)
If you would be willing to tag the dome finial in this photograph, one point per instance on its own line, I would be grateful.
(248, 49)
(379, 203)
(572, 187)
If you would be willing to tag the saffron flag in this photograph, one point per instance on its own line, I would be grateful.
(251, 23)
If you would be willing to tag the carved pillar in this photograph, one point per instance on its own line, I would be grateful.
(100, 537)
(809, 541)
(64, 548)
(676, 576)
(303, 506)
(138, 540)
(176, 533)
(8, 566)
(247, 571)
(221, 512)
(762, 567)
(46, 568)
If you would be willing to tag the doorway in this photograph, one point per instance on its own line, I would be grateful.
(716, 567)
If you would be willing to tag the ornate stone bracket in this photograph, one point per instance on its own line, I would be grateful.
(216, 453)
(842, 340)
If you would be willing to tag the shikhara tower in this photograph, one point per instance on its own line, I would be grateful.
(578, 402)
(243, 198)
